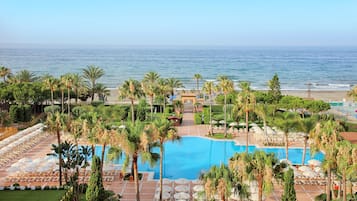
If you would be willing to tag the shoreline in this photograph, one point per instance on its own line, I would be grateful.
(324, 95)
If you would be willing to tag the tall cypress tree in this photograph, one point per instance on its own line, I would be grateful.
(289, 190)
(95, 190)
(274, 89)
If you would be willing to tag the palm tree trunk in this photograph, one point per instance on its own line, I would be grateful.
(151, 105)
(102, 161)
(328, 185)
(132, 111)
(62, 100)
(225, 115)
(69, 102)
(136, 175)
(304, 152)
(93, 86)
(93, 150)
(59, 156)
(344, 187)
(349, 187)
(260, 188)
(76, 91)
(161, 169)
(247, 130)
(210, 115)
(52, 98)
(286, 146)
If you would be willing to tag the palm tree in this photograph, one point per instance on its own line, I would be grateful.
(163, 131)
(197, 77)
(92, 74)
(56, 123)
(262, 110)
(353, 92)
(149, 85)
(306, 126)
(25, 76)
(220, 180)
(91, 123)
(162, 90)
(173, 83)
(324, 137)
(286, 122)
(4, 72)
(135, 140)
(102, 91)
(256, 166)
(226, 86)
(78, 85)
(246, 103)
(51, 83)
(68, 83)
(132, 90)
(209, 88)
(346, 167)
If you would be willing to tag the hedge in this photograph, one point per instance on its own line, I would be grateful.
(20, 113)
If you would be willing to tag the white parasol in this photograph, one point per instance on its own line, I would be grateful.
(198, 188)
(182, 196)
(182, 188)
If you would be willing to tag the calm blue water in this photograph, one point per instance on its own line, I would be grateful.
(186, 159)
(327, 68)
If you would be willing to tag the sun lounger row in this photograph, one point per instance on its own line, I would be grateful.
(11, 152)
(19, 135)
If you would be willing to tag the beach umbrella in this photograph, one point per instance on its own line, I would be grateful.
(304, 168)
(198, 196)
(314, 162)
(233, 124)
(182, 196)
(165, 188)
(214, 122)
(25, 160)
(181, 181)
(222, 122)
(182, 188)
(166, 181)
(198, 188)
(197, 181)
(165, 195)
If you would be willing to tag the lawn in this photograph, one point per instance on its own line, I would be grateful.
(29, 195)
(221, 136)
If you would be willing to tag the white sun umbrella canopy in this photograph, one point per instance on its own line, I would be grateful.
(165, 195)
(304, 168)
(182, 196)
(181, 181)
(314, 162)
(233, 124)
(198, 188)
(182, 188)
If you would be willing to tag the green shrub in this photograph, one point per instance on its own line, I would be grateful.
(206, 115)
(198, 118)
(97, 103)
(217, 108)
(20, 113)
(52, 109)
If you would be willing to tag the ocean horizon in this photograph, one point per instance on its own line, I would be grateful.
(326, 68)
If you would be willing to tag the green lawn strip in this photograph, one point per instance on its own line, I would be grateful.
(221, 136)
(29, 195)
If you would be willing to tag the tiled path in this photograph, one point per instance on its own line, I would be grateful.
(147, 187)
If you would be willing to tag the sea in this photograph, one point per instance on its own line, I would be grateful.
(321, 68)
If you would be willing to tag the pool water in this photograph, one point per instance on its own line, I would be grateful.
(191, 156)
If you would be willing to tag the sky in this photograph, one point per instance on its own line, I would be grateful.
(178, 22)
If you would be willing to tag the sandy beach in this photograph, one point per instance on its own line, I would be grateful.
(317, 95)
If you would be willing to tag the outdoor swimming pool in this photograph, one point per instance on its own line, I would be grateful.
(186, 159)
